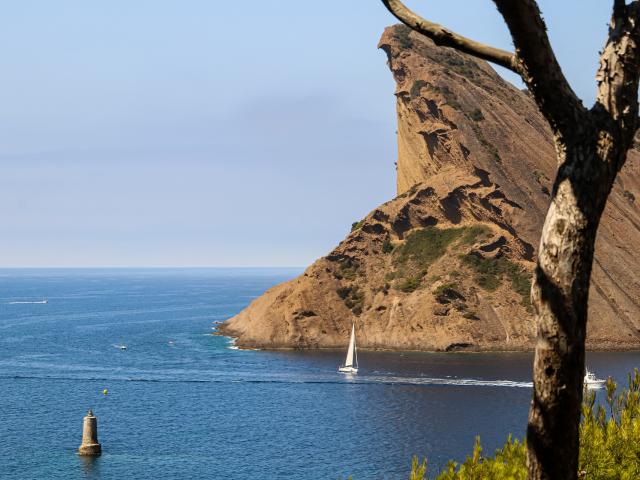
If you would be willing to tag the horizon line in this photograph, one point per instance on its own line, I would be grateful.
(151, 267)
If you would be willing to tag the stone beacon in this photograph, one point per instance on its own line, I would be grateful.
(90, 445)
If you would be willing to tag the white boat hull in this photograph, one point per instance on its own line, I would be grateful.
(348, 370)
(593, 382)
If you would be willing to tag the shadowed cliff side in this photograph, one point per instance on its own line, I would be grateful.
(446, 264)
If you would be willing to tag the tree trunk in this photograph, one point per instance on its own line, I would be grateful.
(560, 297)
(592, 147)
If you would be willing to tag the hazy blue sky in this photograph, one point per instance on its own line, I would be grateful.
(164, 132)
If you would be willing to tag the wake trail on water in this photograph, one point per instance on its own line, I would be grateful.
(40, 302)
(363, 380)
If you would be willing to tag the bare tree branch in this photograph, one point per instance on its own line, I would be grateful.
(443, 36)
(538, 65)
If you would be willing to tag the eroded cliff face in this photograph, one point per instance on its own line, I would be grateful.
(446, 264)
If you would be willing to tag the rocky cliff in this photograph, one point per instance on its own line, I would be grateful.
(446, 264)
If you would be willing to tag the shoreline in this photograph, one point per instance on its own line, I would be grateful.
(257, 347)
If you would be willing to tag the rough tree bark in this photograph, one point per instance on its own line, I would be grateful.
(591, 146)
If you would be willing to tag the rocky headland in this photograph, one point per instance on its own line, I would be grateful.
(446, 265)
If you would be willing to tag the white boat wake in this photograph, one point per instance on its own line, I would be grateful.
(37, 302)
(446, 381)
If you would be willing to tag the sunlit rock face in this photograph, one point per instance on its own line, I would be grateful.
(446, 264)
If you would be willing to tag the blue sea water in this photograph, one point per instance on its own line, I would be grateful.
(183, 404)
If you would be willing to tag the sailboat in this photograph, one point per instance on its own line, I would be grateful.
(352, 353)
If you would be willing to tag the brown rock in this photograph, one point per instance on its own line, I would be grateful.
(473, 153)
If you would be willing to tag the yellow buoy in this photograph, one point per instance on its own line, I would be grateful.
(105, 391)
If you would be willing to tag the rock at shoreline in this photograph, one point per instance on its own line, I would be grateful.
(446, 265)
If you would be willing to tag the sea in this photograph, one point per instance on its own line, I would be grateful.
(181, 403)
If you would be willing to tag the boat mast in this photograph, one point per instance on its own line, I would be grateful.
(355, 346)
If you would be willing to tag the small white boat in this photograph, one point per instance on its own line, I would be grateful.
(123, 347)
(591, 381)
(352, 355)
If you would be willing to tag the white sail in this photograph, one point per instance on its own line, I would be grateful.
(352, 352)
(352, 347)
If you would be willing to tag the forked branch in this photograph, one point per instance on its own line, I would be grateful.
(443, 36)
(539, 66)
(618, 75)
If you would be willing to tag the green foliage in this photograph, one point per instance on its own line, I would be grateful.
(471, 234)
(540, 177)
(450, 98)
(508, 463)
(418, 470)
(347, 269)
(387, 246)
(417, 86)
(414, 188)
(610, 436)
(352, 297)
(609, 444)
(425, 246)
(476, 115)
(357, 225)
(402, 35)
(459, 66)
(445, 287)
(343, 292)
(490, 271)
(489, 147)
(422, 248)
(470, 315)
(409, 284)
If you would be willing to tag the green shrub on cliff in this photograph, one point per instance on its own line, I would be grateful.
(609, 444)
(490, 272)
(417, 87)
(402, 35)
(409, 285)
(357, 225)
(426, 246)
(352, 297)
(476, 115)
(422, 248)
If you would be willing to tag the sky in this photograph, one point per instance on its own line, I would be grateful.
(208, 133)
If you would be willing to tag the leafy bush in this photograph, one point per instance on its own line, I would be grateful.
(427, 245)
(459, 66)
(347, 269)
(450, 98)
(490, 271)
(445, 287)
(357, 225)
(609, 444)
(417, 86)
(470, 315)
(422, 248)
(387, 246)
(409, 285)
(476, 115)
(490, 147)
(352, 297)
(402, 35)
(390, 276)
(472, 233)
(343, 292)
